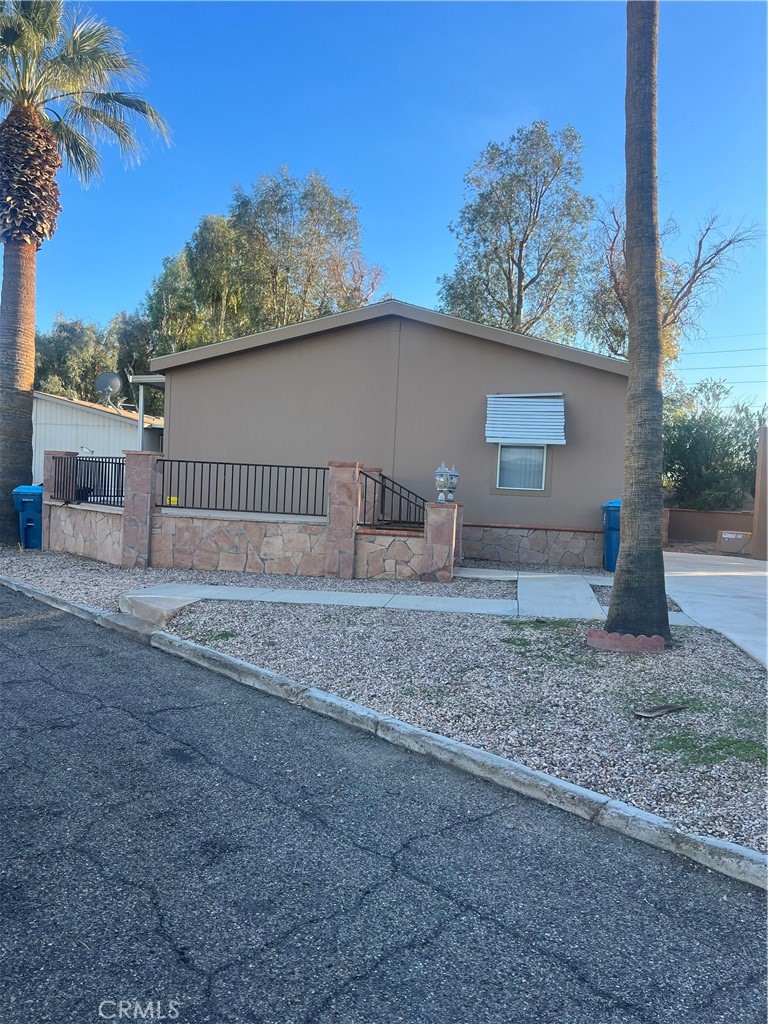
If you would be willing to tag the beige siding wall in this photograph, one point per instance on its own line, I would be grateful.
(300, 403)
(404, 396)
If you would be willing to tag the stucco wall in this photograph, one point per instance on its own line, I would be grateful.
(238, 543)
(690, 524)
(87, 530)
(404, 396)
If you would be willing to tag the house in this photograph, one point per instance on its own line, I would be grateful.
(68, 424)
(535, 429)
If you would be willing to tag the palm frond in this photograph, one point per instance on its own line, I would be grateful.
(120, 104)
(74, 69)
(42, 18)
(90, 56)
(104, 126)
(77, 150)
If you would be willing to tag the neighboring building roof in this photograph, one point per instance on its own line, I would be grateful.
(121, 414)
(377, 311)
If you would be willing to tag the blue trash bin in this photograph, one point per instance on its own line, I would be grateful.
(611, 533)
(28, 500)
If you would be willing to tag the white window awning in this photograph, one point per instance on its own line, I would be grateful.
(525, 419)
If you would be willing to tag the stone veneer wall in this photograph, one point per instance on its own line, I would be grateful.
(92, 531)
(580, 548)
(238, 544)
(396, 555)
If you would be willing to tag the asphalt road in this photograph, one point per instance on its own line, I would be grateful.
(202, 853)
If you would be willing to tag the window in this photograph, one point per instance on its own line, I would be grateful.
(521, 467)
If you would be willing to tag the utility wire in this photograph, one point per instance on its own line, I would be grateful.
(726, 351)
(754, 334)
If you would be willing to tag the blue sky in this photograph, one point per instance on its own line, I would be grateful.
(393, 102)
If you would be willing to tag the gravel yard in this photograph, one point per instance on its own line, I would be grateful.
(556, 570)
(533, 691)
(527, 689)
(99, 585)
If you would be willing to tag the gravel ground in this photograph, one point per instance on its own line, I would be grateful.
(552, 570)
(534, 691)
(529, 690)
(603, 595)
(99, 585)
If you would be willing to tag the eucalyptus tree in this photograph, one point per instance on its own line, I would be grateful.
(638, 597)
(64, 77)
(522, 235)
(299, 244)
(288, 250)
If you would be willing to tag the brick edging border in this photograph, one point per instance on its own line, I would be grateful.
(738, 862)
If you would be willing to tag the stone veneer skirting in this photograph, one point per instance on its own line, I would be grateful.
(93, 531)
(544, 546)
(397, 555)
(238, 543)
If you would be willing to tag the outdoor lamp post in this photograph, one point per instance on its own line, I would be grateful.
(442, 476)
(453, 482)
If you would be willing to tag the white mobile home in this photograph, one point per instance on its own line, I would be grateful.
(67, 424)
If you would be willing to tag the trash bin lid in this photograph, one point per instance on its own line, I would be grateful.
(28, 489)
(616, 503)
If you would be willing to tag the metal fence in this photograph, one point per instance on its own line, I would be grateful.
(243, 487)
(96, 479)
(384, 503)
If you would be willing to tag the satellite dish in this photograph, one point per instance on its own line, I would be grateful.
(108, 384)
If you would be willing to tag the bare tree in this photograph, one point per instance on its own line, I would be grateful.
(686, 287)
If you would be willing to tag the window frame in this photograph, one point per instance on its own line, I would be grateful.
(529, 490)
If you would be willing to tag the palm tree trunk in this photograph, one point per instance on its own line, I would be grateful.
(17, 374)
(638, 600)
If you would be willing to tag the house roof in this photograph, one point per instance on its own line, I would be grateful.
(377, 311)
(122, 414)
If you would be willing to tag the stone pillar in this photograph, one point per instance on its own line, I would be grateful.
(140, 486)
(458, 555)
(343, 506)
(760, 514)
(439, 540)
(70, 479)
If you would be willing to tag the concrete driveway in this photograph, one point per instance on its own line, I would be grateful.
(176, 843)
(726, 594)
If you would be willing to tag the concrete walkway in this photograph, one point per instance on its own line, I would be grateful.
(538, 596)
(720, 593)
(157, 603)
(726, 594)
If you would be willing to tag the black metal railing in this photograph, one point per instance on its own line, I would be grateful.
(99, 480)
(243, 487)
(384, 502)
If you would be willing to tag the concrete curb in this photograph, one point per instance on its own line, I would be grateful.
(729, 859)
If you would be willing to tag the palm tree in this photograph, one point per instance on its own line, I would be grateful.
(61, 79)
(638, 599)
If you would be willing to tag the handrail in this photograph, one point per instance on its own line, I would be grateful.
(386, 503)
